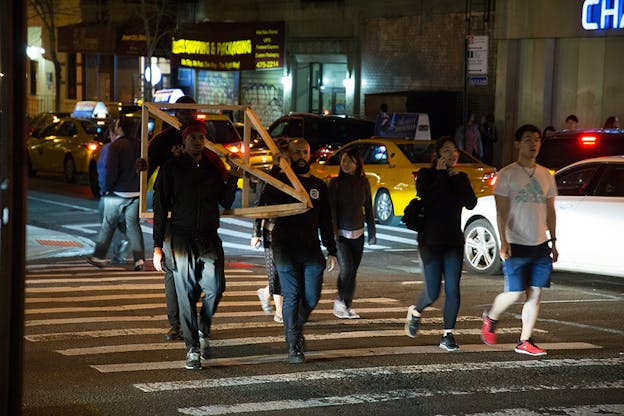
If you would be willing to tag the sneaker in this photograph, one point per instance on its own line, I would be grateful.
(204, 347)
(412, 322)
(97, 262)
(193, 361)
(139, 265)
(264, 302)
(295, 355)
(352, 314)
(340, 310)
(447, 342)
(174, 334)
(278, 319)
(528, 347)
(488, 336)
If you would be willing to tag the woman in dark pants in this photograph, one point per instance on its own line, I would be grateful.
(444, 192)
(350, 200)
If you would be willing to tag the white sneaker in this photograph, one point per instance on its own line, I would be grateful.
(340, 309)
(278, 319)
(352, 314)
(264, 303)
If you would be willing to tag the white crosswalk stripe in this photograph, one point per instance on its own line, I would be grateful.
(98, 318)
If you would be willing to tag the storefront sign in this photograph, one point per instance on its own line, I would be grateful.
(230, 46)
(603, 14)
(477, 50)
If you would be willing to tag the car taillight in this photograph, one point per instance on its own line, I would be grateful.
(235, 149)
(588, 141)
(91, 146)
(200, 117)
(415, 175)
(490, 177)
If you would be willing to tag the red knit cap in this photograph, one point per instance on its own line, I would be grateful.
(196, 127)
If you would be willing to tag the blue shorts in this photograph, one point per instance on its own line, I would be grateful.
(522, 272)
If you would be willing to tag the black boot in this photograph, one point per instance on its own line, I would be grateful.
(295, 355)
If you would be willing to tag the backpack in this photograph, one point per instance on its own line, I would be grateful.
(414, 215)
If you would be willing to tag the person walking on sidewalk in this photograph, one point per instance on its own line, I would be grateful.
(121, 195)
(191, 188)
(296, 248)
(444, 192)
(351, 206)
(525, 210)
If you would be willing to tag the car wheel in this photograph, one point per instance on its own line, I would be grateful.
(69, 169)
(94, 183)
(384, 208)
(481, 251)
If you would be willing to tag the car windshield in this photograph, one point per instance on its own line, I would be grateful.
(94, 129)
(223, 131)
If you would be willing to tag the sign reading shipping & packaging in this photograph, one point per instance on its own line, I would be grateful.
(230, 46)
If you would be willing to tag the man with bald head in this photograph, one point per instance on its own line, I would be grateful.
(297, 251)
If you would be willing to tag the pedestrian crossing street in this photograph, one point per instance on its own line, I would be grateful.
(112, 320)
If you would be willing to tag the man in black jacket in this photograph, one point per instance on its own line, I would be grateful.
(297, 251)
(121, 195)
(162, 148)
(191, 187)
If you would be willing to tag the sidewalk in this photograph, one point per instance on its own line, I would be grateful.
(42, 243)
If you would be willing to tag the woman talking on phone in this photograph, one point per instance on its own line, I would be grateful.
(444, 192)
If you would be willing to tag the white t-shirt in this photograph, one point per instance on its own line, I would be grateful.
(527, 191)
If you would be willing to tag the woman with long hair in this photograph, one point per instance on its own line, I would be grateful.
(351, 205)
(444, 192)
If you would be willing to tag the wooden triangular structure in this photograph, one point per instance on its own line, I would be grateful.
(297, 190)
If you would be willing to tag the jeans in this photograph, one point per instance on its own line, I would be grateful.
(171, 296)
(349, 258)
(115, 210)
(301, 279)
(438, 262)
(199, 266)
(118, 242)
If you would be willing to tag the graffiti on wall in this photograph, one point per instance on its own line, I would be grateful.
(266, 100)
(215, 88)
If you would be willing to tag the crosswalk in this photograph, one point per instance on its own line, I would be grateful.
(112, 321)
(236, 235)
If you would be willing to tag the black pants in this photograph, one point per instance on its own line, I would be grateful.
(349, 258)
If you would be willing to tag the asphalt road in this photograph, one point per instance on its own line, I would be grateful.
(94, 340)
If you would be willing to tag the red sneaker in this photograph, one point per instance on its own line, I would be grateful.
(529, 348)
(488, 336)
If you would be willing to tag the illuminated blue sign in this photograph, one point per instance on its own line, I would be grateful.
(603, 14)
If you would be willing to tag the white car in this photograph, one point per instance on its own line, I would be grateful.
(590, 221)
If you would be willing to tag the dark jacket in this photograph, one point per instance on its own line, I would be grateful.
(351, 203)
(299, 233)
(192, 192)
(443, 197)
(159, 148)
(121, 172)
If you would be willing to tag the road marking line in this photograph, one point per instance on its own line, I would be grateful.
(238, 325)
(331, 354)
(395, 395)
(138, 307)
(49, 201)
(367, 372)
(578, 325)
(119, 287)
(161, 295)
(230, 342)
(388, 237)
(113, 274)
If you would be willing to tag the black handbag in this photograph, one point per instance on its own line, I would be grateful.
(414, 215)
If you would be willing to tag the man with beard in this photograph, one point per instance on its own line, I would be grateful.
(297, 251)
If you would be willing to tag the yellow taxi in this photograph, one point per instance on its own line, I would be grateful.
(391, 166)
(68, 146)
